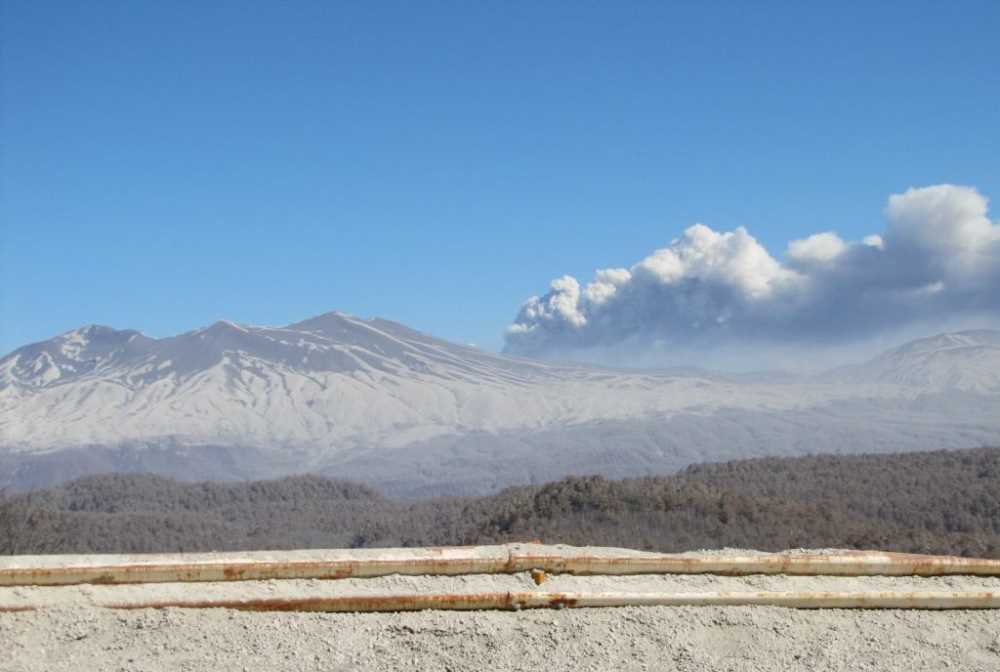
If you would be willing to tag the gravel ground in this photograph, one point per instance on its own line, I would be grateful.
(627, 638)
(72, 634)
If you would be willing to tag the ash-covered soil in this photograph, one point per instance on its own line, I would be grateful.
(628, 638)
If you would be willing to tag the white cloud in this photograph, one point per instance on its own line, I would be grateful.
(559, 307)
(946, 226)
(819, 247)
(606, 284)
(939, 257)
(733, 259)
(943, 218)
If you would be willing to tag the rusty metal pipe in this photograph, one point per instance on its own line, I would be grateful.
(336, 564)
(540, 600)
(844, 563)
(252, 566)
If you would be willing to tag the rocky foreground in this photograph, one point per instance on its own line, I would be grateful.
(627, 638)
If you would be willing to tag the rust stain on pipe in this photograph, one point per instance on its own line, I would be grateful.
(530, 600)
(361, 603)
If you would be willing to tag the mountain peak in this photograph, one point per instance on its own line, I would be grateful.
(333, 319)
(73, 353)
(87, 336)
(87, 331)
(223, 327)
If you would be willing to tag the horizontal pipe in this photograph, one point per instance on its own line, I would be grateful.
(540, 600)
(843, 563)
(337, 564)
(180, 567)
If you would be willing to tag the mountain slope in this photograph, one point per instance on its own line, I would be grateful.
(377, 401)
(330, 382)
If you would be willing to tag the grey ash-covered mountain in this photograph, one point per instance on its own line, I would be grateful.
(412, 414)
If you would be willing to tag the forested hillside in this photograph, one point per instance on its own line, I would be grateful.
(939, 502)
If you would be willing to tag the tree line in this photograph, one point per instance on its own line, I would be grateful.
(944, 502)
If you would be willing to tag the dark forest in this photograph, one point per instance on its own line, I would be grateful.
(945, 502)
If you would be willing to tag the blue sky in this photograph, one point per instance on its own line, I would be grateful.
(167, 164)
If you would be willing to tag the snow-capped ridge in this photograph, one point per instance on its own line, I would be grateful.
(79, 352)
(335, 382)
(964, 360)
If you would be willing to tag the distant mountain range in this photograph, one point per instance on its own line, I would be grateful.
(412, 414)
